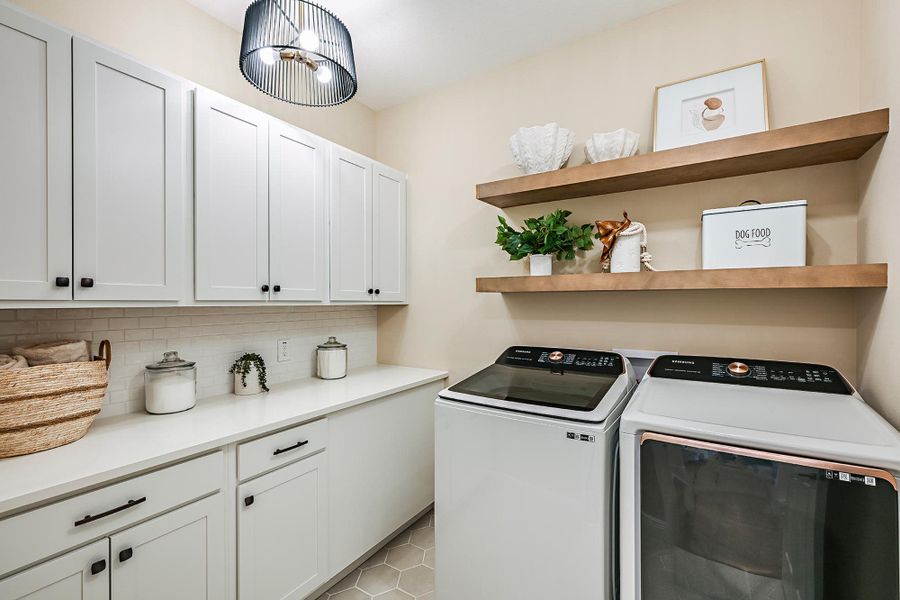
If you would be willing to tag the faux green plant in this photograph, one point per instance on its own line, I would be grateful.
(549, 234)
(245, 363)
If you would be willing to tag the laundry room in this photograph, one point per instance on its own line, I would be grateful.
(392, 300)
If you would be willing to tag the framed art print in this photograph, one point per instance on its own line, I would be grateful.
(711, 107)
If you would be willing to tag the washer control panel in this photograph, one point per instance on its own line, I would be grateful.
(759, 373)
(591, 361)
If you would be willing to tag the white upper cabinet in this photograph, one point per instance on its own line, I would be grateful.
(298, 220)
(177, 556)
(368, 229)
(232, 192)
(389, 234)
(129, 142)
(82, 574)
(351, 225)
(35, 159)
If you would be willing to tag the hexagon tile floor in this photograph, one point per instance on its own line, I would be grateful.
(402, 570)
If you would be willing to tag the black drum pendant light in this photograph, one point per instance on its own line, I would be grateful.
(298, 52)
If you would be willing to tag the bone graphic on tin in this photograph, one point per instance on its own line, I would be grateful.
(766, 241)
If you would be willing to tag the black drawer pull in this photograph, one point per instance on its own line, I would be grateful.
(276, 288)
(377, 291)
(87, 282)
(91, 518)
(264, 287)
(62, 282)
(98, 567)
(249, 500)
(289, 448)
(370, 291)
(125, 554)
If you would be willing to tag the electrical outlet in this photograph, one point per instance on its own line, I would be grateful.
(284, 350)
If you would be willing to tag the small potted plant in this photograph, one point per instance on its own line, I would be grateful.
(249, 375)
(542, 238)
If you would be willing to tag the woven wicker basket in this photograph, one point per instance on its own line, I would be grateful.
(48, 406)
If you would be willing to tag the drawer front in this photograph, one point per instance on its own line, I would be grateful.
(276, 449)
(56, 527)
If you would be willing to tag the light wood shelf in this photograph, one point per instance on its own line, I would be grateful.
(833, 140)
(816, 277)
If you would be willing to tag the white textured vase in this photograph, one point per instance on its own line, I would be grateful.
(252, 386)
(541, 264)
(541, 148)
(620, 143)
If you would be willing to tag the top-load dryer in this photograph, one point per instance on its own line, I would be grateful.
(755, 479)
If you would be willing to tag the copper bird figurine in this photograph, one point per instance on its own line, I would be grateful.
(608, 231)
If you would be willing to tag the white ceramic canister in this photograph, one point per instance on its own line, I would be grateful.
(541, 264)
(626, 253)
(170, 385)
(331, 359)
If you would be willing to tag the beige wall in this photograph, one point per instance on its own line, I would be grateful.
(879, 211)
(175, 36)
(456, 137)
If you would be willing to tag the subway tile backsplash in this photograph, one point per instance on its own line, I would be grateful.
(211, 336)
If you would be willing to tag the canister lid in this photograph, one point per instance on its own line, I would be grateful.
(171, 362)
(332, 344)
(752, 207)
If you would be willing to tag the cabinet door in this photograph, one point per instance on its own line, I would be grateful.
(129, 138)
(82, 574)
(298, 223)
(232, 199)
(177, 556)
(389, 234)
(35, 159)
(282, 532)
(351, 225)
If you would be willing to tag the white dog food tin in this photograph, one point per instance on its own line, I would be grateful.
(755, 235)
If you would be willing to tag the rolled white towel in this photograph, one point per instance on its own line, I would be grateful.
(12, 363)
(53, 353)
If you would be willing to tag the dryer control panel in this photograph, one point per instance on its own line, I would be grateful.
(758, 373)
(589, 361)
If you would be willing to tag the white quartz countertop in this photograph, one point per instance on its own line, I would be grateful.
(118, 446)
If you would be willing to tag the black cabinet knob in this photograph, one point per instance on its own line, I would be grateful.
(87, 282)
(248, 500)
(371, 291)
(125, 554)
(98, 567)
(276, 288)
(377, 291)
(62, 282)
(265, 287)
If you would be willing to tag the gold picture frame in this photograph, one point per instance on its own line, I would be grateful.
(761, 120)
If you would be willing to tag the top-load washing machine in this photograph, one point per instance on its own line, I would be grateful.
(754, 479)
(525, 474)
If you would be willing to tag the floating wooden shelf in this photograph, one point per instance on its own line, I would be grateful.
(817, 277)
(834, 140)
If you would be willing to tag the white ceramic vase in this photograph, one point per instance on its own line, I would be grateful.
(626, 254)
(541, 264)
(620, 143)
(252, 386)
(541, 148)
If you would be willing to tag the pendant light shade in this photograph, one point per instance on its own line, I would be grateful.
(298, 52)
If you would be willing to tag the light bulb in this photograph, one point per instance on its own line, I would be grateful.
(324, 74)
(309, 40)
(268, 55)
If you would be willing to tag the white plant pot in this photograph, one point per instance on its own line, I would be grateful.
(541, 264)
(252, 386)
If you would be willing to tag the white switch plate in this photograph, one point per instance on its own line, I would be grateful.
(284, 350)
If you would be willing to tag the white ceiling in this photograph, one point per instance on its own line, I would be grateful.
(406, 47)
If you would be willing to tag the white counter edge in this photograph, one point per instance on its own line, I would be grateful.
(16, 495)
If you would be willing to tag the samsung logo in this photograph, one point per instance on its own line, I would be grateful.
(682, 362)
(523, 351)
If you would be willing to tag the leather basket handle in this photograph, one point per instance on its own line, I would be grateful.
(106, 352)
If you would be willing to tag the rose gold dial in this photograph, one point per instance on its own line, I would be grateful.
(738, 369)
(556, 356)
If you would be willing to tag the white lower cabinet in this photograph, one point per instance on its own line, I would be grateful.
(177, 556)
(81, 574)
(283, 532)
